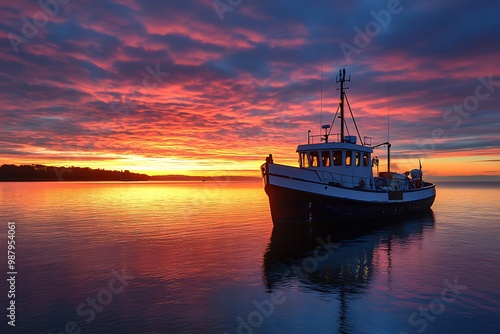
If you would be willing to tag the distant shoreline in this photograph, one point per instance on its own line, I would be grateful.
(211, 179)
(218, 179)
(41, 173)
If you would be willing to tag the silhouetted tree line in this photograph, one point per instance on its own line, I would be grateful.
(48, 173)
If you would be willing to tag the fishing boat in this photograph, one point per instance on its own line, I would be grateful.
(335, 181)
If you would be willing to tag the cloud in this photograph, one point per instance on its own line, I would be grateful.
(246, 86)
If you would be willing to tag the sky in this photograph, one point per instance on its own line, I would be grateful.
(204, 87)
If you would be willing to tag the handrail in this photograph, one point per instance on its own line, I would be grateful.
(369, 183)
(309, 137)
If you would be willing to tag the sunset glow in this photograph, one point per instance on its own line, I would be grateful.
(163, 87)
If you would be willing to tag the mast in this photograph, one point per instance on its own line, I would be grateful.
(342, 79)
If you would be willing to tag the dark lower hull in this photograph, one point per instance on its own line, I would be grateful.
(294, 206)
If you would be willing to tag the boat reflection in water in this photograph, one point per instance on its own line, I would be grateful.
(337, 263)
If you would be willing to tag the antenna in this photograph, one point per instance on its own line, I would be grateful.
(388, 120)
(321, 103)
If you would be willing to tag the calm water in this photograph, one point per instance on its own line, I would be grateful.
(204, 258)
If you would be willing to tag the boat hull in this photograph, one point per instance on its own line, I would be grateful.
(301, 200)
(295, 206)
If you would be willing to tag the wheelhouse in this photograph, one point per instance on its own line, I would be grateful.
(342, 163)
(334, 155)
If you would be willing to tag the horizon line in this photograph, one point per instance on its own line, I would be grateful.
(230, 173)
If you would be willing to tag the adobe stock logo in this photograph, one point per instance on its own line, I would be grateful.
(372, 29)
(437, 306)
(221, 7)
(459, 112)
(29, 30)
(102, 299)
(266, 308)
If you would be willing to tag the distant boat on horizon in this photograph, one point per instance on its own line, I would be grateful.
(335, 182)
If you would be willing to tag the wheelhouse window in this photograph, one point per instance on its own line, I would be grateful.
(366, 158)
(348, 158)
(304, 162)
(337, 158)
(358, 158)
(325, 159)
(314, 159)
